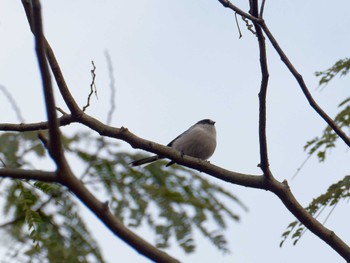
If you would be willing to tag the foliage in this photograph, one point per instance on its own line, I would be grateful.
(341, 67)
(44, 218)
(335, 193)
(44, 225)
(321, 145)
(328, 139)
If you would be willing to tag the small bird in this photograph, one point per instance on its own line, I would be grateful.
(198, 141)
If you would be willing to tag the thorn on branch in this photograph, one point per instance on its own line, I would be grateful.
(123, 129)
(285, 183)
(93, 88)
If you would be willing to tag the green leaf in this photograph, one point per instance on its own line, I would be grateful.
(341, 67)
(337, 192)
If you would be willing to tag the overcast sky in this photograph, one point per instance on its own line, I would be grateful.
(177, 62)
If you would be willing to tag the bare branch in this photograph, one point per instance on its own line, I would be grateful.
(264, 161)
(303, 86)
(112, 88)
(239, 29)
(62, 121)
(28, 174)
(92, 86)
(262, 8)
(55, 136)
(64, 90)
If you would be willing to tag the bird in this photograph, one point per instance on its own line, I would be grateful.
(198, 141)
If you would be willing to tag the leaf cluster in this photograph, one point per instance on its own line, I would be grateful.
(324, 143)
(172, 201)
(327, 141)
(44, 224)
(341, 67)
(321, 146)
(334, 194)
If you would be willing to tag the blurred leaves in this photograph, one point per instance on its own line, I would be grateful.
(172, 201)
(341, 67)
(43, 220)
(335, 193)
(324, 143)
(321, 146)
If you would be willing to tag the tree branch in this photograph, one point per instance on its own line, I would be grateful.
(254, 181)
(55, 136)
(102, 211)
(303, 86)
(22, 127)
(283, 191)
(264, 160)
(228, 4)
(280, 189)
(62, 85)
(28, 174)
(64, 173)
(111, 87)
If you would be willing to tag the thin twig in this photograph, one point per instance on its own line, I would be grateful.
(330, 212)
(248, 25)
(61, 111)
(93, 88)
(112, 88)
(62, 121)
(3, 163)
(12, 103)
(239, 30)
(301, 166)
(262, 8)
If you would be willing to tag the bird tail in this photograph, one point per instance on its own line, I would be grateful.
(145, 160)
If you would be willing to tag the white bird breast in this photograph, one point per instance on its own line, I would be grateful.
(199, 141)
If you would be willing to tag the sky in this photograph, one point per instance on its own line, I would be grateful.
(177, 62)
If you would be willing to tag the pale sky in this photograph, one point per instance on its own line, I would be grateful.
(177, 62)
